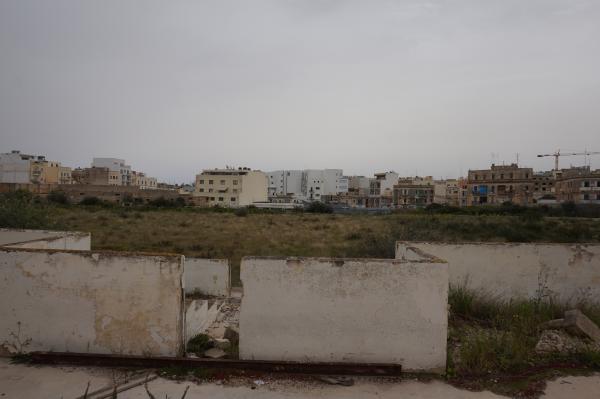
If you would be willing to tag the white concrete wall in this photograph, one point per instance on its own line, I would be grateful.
(345, 310)
(565, 272)
(45, 239)
(95, 302)
(207, 276)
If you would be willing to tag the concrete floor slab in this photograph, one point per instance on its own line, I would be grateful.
(42, 382)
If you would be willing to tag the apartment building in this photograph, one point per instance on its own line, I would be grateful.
(499, 184)
(232, 187)
(580, 185)
(139, 179)
(412, 193)
(45, 172)
(16, 167)
(96, 176)
(543, 185)
(284, 183)
(463, 191)
(117, 167)
(446, 192)
(306, 185)
(359, 185)
(383, 184)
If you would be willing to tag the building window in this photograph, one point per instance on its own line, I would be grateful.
(235, 190)
(201, 182)
(232, 199)
(221, 199)
(201, 190)
(235, 182)
(212, 198)
(210, 190)
(586, 184)
(210, 182)
(586, 196)
(222, 182)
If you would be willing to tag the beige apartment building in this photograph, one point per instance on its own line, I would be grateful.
(412, 193)
(45, 172)
(446, 192)
(65, 175)
(232, 187)
(579, 185)
(139, 179)
(499, 184)
(95, 176)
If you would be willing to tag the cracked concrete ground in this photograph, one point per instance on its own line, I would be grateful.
(32, 382)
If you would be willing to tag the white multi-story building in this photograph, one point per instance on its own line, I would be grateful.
(16, 167)
(285, 183)
(359, 185)
(383, 184)
(307, 185)
(115, 165)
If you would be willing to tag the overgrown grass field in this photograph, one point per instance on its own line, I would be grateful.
(491, 342)
(212, 234)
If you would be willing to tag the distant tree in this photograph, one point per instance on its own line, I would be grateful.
(58, 197)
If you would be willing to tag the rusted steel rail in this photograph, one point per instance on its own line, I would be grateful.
(86, 359)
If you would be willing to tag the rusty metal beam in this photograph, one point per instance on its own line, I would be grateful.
(86, 359)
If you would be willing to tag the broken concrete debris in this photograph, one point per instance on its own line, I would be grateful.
(222, 343)
(576, 323)
(571, 334)
(558, 341)
(215, 353)
(580, 324)
(232, 335)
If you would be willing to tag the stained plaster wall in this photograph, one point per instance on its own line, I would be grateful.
(94, 302)
(564, 272)
(45, 239)
(345, 310)
(207, 276)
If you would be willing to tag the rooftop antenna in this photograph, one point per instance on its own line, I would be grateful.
(517, 158)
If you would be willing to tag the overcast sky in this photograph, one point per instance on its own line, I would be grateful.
(419, 87)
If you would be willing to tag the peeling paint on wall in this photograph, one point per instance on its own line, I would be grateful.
(564, 272)
(345, 310)
(207, 276)
(96, 302)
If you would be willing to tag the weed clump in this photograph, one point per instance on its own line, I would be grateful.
(199, 343)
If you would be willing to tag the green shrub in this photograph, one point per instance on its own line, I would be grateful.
(58, 197)
(199, 343)
(20, 210)
(319, 207)
(91, 201)
(242, 212)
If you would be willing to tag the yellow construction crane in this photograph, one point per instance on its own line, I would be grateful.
(558, 154)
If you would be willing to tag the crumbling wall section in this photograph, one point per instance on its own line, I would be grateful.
(564, 272)
(345, 310)
(93, 302)
(207, 276)
(45, 239)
